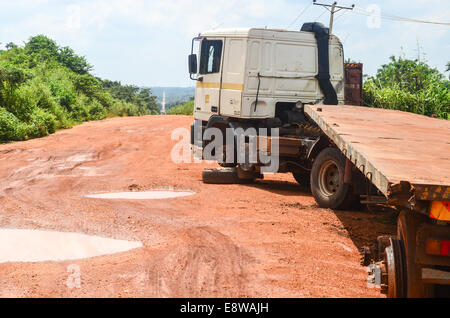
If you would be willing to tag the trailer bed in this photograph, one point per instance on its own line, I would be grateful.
(398, 151)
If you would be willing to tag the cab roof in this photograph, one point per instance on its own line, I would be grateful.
(262, 33)
(242, 31)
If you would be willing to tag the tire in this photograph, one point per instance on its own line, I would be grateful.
(249, 176)
(223, 176)
(303, 179)
(407, 226)
(327, 181)
(395, 264)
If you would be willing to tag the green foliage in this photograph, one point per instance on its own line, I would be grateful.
(41, 44)
(185, 109)
(10, 46)
(78, 64)
(41, 123)
(11, 128)
(44, 87)
(448, 68)
(409, 85)
(45, 49)
(142, 97)
(11, 77)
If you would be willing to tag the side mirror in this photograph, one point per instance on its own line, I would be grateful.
(193, 64)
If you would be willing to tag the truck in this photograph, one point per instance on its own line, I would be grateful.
(290, 90)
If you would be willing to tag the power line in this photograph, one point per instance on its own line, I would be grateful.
(385, 16)
(340, 16)
(298, 17)
(320, 15)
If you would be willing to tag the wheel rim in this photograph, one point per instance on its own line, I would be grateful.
(329, 182)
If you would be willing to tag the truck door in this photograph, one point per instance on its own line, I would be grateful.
(233, 71)
(210, 76)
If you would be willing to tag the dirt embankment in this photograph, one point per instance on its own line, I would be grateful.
(263, 240)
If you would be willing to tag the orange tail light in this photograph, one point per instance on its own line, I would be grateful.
(440, 211)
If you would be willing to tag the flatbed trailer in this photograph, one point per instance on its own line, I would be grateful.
(407, 158)
(397, 151)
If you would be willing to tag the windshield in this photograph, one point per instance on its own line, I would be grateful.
(211, 54)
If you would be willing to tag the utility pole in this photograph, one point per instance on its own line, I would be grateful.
(333, 8)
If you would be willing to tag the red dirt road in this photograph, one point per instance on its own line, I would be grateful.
(263, 240)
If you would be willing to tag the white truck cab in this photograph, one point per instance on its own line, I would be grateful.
(252, 82)
(246, 73)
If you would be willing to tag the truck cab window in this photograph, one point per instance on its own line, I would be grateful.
(211, 54)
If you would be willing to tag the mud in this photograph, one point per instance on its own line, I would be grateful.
(267, 239)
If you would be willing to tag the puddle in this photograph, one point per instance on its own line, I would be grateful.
(40, 246)
(147, 195)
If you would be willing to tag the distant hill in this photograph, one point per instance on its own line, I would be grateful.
(174, 95)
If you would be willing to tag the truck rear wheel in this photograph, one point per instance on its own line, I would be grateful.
(327, 181)
(407, 226)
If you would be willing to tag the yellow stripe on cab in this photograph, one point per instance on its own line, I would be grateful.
(231, 86)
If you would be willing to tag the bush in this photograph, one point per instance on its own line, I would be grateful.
(409, 85)
(41, 124)
(11, 128)
(21, 102)
(185, 109)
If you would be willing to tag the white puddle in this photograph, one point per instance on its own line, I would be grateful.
(40, 246)
(148, 195)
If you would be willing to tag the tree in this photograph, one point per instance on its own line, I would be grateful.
(40, 44)
(142, 97)
(147, 102)
(409, 85)
(87, 84)
(11, 46)
(411, 75)
(47, 49)
(76, 63)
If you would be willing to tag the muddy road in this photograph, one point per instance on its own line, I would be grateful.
(268, 239)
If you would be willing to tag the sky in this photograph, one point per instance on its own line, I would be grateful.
(146, 42)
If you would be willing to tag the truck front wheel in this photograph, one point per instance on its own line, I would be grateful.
(327, 181)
